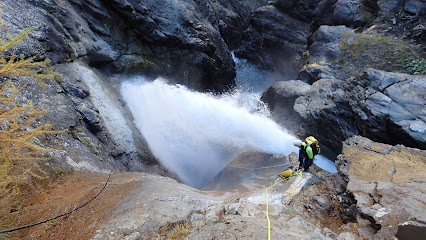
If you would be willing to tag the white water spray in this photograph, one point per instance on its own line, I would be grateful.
(197, 134)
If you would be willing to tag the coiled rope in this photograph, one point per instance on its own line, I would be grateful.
(298, 173)
(64, 214)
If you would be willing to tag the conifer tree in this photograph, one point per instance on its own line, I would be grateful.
(19, 122)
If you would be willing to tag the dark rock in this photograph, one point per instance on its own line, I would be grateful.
(390, 107)
(324, 50)
(388, 6)
(75, 91)
(275, 41)
(351, 13)
(414, 6)
(326, 45)
(280, 98)
(411, 230)
(326, 105)
(385, 107)
(91, 117)
(302, 10)
(313, 72)
(323, 202)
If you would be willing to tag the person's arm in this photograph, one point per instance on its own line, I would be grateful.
(309, 152)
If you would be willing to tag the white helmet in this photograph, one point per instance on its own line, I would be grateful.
(297, 143)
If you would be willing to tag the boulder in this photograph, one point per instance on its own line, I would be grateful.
(387, 7)
(387, 183)
(386, 107)
(322, 53)
(326, 114)
(280, 98)
(352, 13)
(391, 107)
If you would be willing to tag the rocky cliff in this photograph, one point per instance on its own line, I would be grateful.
(191, 45)
(348, 69)
(91, 42)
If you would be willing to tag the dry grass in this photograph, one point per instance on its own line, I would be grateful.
(380, 52)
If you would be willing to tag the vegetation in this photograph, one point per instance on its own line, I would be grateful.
(380, 52)
(178, 231)
(20, 124)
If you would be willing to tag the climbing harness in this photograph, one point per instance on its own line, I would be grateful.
(297, 173)
(64, 214)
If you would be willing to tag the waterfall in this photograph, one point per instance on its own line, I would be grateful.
(197, 134)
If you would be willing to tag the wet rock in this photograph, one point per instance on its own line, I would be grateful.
(91, 117)
(280, 98)
(275, 41)
(326, 105)
(249, 168)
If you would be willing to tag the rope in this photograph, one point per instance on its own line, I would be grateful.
(267, 203)
(64, 214)
(285, 164)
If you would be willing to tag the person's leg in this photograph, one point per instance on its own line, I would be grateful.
(300, 159)
(307, 163)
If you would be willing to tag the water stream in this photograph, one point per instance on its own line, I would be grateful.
(197, 134)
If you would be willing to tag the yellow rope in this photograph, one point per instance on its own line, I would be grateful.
(299, 173)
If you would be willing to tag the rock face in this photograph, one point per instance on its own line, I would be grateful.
(389, 190)
(386, 107)
(323, 51)
(392, 107)
(301, 208)
(274, 40)
(188, 42)
(280, 98)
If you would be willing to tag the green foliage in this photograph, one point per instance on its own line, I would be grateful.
(416, 66)
(380, 52)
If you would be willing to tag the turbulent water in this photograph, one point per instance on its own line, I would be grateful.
(197, 134)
